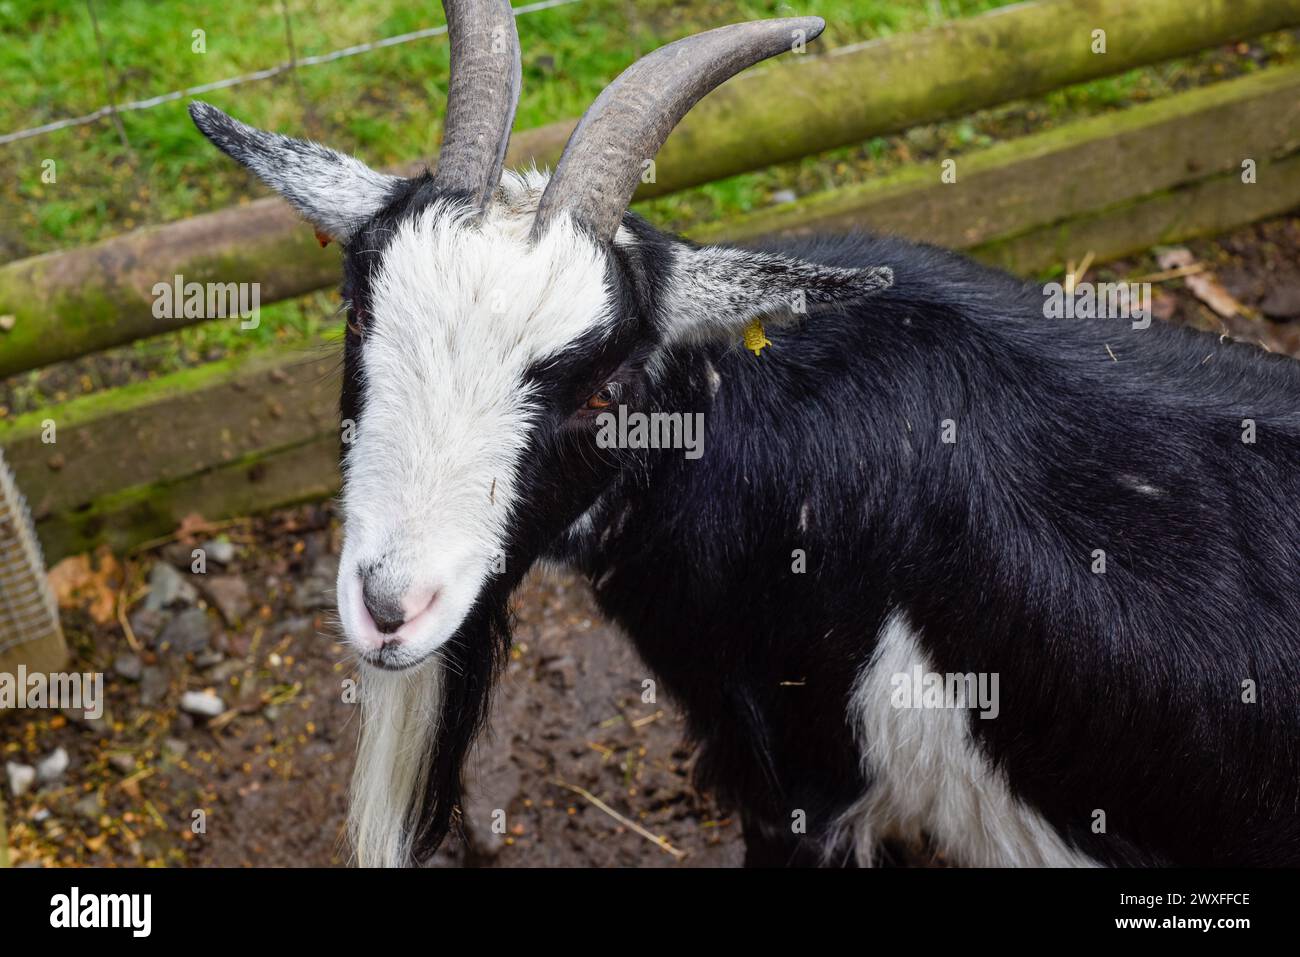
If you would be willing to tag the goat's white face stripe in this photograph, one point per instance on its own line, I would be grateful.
(458, 312)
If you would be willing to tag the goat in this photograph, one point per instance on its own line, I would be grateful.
(920, 476)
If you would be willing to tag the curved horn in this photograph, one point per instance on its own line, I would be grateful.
(481, 96)
(628, 123)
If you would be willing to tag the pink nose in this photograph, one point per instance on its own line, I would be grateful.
(386, 613)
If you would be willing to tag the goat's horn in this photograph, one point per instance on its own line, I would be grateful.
(481, 96)
(628, 123)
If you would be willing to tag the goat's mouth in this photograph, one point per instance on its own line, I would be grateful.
(394, 658)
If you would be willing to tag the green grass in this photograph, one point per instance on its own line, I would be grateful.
(384, 106)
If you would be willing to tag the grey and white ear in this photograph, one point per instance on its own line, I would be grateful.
(334, 192)
(716, 291)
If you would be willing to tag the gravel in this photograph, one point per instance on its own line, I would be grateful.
(202, 703)
(220, 550)
(189, 632)
(229, 594)
(51, 768)
(129, 666)
(166, 587)
(21, 777)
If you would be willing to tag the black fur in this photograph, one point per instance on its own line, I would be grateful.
(1119, 691)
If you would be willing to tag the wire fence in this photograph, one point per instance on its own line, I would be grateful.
(111, 110)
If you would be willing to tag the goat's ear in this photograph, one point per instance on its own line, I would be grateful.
(336, 193)
(715, 291)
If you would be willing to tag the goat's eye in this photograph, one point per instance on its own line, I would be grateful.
(603, 397)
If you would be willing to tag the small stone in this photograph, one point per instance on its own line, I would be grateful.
(1282, 302)
(222, 673)
(229, 593)
(174, 748)
(129, 666)
(7, 322)
(209, 659)
(21, 777)
(220, 550)
(153, 686)
(784, 196)
(189, 632)
(178, 554)
(53, 766)
(164, 586)
(89, 807)
(202, 703)
(271, 713)
(122, 763)
(147, 622)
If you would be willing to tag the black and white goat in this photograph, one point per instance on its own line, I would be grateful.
(917, 478)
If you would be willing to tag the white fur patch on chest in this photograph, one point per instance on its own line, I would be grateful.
(930, 777)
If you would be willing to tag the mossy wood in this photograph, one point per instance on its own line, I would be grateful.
(1071, 171)
(71, 303)
(159, 431)
(244, 435)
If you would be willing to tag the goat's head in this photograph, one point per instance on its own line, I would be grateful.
(493, 317)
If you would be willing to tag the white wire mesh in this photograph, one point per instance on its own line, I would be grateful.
(109, 109)
(27, 608)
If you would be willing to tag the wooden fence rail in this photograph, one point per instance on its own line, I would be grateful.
(78, 301)
(259, 432)
(1022, 204)
(254, 433)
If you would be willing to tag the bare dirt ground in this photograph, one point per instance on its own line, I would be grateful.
(263, 780)
(269, 773)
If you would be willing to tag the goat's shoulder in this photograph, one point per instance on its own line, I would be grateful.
(958, 319)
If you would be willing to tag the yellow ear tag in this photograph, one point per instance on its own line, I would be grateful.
(755, 340)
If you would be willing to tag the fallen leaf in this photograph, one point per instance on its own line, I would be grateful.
(191, 527)
(1203, 285)
(82, 581)
(68, 577)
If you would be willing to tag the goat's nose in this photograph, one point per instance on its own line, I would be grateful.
(384, 606)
